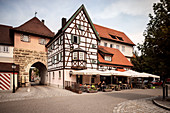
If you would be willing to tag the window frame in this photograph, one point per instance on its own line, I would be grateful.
(73, 41)
(22, 38)
(105, 44)
(123, 48)
(107, 58)
(40, 41)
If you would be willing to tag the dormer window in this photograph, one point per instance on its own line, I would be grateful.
(75, 39)
(108, 58)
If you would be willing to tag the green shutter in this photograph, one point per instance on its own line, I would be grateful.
(72, 38)
(78, 39)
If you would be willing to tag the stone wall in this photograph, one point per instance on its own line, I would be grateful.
(25, 59)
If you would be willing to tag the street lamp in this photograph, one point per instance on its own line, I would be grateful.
(13, 67)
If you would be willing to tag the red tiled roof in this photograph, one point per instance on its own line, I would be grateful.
(35, 26)
(106, 32)
(5, 38)
(117, 59)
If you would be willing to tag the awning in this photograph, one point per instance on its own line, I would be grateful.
(151, 75)
(87, 72)
(136, 74)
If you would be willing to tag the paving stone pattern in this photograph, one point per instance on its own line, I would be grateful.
(35, 92)
(139, 106)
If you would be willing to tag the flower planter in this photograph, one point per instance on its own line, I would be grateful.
(92, 91)
(117, 89)
(107, 90)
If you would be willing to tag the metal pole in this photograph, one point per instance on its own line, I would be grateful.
(166, 90)
(13, 81)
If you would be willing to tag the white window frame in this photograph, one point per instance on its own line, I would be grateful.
(23, 38)
(108, 58)
(73, 41)
(81, 55)
(75, 55)
(4, 49)
(105, 44)
(42, 41)
(123, 48)
(117, 47)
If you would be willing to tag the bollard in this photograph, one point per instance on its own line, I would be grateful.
(163, 92)
(166, 90)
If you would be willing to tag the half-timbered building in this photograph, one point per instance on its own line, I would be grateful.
(74, 47)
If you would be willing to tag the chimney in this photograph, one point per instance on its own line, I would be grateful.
(63, 21)
(42, 21)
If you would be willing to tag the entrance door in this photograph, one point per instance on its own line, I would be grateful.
(79, 79)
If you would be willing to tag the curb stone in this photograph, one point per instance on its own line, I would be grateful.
(160, 105)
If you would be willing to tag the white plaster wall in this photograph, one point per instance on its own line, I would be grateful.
(7, 57)
(128, 49)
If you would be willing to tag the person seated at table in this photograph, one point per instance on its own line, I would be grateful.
(103, 85)
(99, 86)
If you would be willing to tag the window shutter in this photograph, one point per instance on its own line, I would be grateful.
(78, 40)
(72, 38)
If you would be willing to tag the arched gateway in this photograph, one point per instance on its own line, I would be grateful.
(38, 74)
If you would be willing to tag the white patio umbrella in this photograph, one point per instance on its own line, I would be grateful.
(106, 73)
(151, 75)
(119, 73)
(87, 72)
(136, 74)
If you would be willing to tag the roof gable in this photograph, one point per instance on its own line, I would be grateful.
(82, 8)
(117, 59)
(35, 26)
(113, 35)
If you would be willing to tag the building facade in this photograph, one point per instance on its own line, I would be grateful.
(76, 47)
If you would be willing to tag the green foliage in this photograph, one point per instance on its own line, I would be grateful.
(155, 51)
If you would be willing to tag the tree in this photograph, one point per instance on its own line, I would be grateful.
(155, 51)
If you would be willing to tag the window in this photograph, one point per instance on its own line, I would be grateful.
(93, 61)
(105, 44)
(42, 41)
(61, 56)
(25, 38)
(117, 46)
(81, 55)
(53, 59)
(120, 38)
(80, 27)
(93, 46)
(57, 57)
(123, 48)
(75, 56)
(108, 58)
(111, 45)
(112, 36)
(75, 39)
(4, 49)
(59, 74)
(61, 41)
(53, 75)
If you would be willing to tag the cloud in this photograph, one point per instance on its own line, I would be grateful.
(128, 7)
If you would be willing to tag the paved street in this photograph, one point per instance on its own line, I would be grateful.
(42, 100)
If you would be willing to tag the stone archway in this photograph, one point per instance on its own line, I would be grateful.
(42, 72)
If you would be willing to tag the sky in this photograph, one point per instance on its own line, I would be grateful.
(128, 16)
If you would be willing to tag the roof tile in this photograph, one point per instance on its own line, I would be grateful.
(35, 26)
(117, 59)
(107, 32)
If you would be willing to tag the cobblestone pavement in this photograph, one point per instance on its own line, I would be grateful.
(139, 106)
(35, 92)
